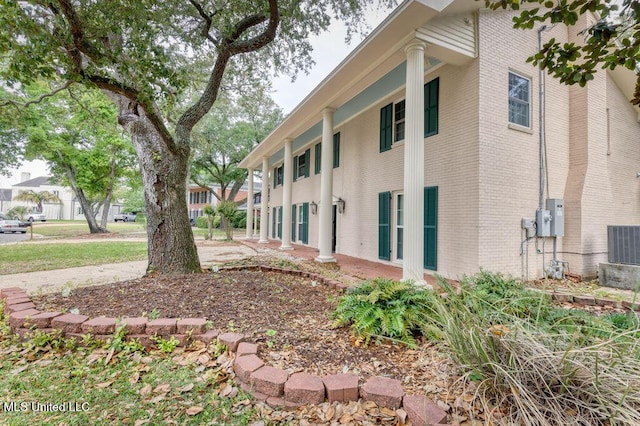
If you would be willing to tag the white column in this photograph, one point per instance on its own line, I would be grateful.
(412, 263)
(326, 188)
(286, 195)
(264, 202)
(249, 224)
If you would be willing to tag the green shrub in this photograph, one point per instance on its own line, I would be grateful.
(385, 308)
(201, 222)
(240, 220)
(544, 365)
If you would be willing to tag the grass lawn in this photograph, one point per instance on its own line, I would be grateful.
(116, 383)
(17, 258)
(77, 228)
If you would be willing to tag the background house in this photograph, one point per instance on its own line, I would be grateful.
(440, 159)
(68, 209)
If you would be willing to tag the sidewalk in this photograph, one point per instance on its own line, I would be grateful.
(210, 253)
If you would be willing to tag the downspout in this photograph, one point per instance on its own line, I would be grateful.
(541, 121)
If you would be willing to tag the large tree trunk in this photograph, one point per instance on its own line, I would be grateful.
(172, 248)
(107, 201)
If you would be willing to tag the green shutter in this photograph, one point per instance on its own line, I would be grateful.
(386, 127)
(304, 233)
(295, 168)
(273, 224)
(318, 159)
(280, 222)
(384, 225)
(307, 162)
(275, 177)
(336, 150)
(431, 227)
(431, 90)
(293, 222)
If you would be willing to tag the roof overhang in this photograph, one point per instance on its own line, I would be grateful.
(626, 80)
(376, 56)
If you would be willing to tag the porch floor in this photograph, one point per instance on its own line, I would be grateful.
(354, 267)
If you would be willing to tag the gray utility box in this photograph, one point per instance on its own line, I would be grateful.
(543, 223)
(555, 206)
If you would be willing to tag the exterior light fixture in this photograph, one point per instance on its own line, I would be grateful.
(314, 207)
(340, 204)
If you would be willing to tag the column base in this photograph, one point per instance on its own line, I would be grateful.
(286, 248)
(325, 259)
(263, 242)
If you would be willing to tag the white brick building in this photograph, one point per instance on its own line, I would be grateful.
(442, 88)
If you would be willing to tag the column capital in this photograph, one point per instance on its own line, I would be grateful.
(328, 110)
(414, 45)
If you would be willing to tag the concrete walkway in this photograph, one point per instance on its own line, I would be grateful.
(210, 253)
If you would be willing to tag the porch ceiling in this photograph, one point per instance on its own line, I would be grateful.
(379, 55)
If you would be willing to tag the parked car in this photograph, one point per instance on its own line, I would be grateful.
(33, 216)
(11, 226)
(124, 217)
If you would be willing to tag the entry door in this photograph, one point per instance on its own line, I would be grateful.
(334, 220)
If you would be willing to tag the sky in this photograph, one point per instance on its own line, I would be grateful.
(329, 49)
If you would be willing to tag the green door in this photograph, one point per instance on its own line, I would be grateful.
(280, 222)
(384, 225)
(431, 227)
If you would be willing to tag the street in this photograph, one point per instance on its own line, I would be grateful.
(12, 238)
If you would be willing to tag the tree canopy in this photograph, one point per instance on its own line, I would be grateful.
(612, 41)
(226, 135)
(163, 64)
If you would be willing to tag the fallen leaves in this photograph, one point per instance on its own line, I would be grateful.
(192, 411)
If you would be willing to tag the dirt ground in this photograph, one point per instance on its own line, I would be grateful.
(288, 316)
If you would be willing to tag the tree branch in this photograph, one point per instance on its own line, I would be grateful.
(207, 21)
(39, 99)
(232, 46)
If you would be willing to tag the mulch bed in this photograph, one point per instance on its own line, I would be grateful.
(287, 315)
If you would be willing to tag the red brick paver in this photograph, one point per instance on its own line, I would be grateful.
(136, 325)
(232, 340)
(341, 387)
(100, 325)
(20, 307)
(17, 319)
(69, 323)
(161, 326)
(245, 365)
(383, 391)
(269, 380)
(304, 388)
(245, 348)
(41, 320)
(193, 325)
(422, 411)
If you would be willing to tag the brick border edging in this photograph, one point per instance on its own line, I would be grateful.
(274, 386)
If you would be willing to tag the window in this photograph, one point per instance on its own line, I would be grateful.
(519, 100)
(391, 124)
(336, 154)
(318, 159)
(336, 150)
(386, 127)
(431, 101)
(301, 165)
(398, 121)
(278, 176)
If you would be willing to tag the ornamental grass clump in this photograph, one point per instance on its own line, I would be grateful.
(383, 308)
(541, 365)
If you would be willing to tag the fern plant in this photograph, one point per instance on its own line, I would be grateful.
(384, 308)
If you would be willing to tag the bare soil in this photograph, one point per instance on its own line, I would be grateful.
(288, 316)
